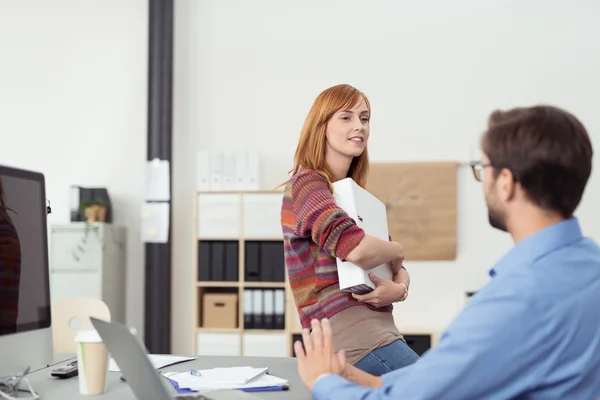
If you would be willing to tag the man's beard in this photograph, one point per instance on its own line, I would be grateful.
(496, 219)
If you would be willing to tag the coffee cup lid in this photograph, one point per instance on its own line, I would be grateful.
(91, 336)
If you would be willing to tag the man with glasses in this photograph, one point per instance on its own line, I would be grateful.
(534, 330)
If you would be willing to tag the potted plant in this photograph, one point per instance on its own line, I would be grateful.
(94, 210)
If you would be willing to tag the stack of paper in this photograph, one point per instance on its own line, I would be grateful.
(225, 378)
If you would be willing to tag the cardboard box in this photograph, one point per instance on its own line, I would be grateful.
(370, 214)
(220, 310)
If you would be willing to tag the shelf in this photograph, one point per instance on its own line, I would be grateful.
(218, 284)
(217, 239)
(267, 331)
(237, 330)
(219, 330)
(250, 284)
(275, 285)
(240, 192)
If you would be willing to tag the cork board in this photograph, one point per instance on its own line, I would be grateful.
(420, 198)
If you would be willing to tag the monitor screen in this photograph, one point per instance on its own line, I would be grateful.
(24, 275)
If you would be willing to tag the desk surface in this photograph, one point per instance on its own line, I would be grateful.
(59, 389)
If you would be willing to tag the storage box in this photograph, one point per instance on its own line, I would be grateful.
(370, 214)
(220, 310)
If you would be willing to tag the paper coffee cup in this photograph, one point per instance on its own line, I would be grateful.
(92, 362)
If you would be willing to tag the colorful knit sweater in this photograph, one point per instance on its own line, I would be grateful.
(315, 232)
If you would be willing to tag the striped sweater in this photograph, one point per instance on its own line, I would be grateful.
(315, 232)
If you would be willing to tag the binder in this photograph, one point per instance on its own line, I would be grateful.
(279, 309)
(371, 215)
(272, 262)
(252, 175)
(264, 261)
(203, 170)
(265, 266)
(252, 262)
(204, 249)
(248, 307)
(231, 261)
(257, 309)
(217, 265)
(228, 170)
(269, 308)
(216, 171)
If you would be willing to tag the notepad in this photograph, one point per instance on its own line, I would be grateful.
(226, 378)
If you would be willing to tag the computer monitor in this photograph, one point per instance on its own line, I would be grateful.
(25, 319)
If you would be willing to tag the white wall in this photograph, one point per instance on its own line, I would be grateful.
(248, 71)
(73, 106)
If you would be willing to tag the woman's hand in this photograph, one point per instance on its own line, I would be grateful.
(385, 293)
(397, 265)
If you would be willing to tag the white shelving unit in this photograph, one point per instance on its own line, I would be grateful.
(237, 217)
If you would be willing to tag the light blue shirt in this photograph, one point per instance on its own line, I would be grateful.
(532, 332)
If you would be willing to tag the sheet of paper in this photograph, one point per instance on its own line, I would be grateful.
(157, 360)
(185, 380)
(157, 180)
(232, 375)
(155, 223)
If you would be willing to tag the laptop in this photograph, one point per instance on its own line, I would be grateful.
(144, 380)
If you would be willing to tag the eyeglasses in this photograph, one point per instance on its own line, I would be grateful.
(478, 167)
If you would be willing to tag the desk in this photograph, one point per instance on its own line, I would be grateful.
(285, 367)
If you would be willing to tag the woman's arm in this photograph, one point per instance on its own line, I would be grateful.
(372, 252)
(318, 216)
(402, 276)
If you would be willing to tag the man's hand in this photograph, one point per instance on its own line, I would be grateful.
(317, 357)
(361, 377)
(385, 293)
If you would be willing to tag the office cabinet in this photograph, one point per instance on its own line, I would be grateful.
(239, 250)
(88, 260)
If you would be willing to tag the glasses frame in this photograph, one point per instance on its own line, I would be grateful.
(477, 167)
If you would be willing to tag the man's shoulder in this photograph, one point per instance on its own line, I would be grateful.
(577, 263)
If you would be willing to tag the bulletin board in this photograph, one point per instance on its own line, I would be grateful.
(420, 199)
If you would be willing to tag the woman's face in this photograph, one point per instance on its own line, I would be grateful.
(347, 131)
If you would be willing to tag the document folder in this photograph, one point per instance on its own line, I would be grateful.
(370, 214)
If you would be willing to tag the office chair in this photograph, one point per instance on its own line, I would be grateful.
(70, 315)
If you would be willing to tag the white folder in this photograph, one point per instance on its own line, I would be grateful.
(203, 170)
(370, 214)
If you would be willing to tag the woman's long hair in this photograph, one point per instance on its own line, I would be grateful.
(310, 152)
(3, 207)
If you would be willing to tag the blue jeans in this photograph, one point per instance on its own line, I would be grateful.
(388, 358)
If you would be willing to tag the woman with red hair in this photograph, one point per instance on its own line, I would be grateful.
(333, 146)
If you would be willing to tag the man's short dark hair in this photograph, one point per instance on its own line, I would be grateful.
(547, 150)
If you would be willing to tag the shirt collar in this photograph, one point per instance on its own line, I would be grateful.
(542, 242)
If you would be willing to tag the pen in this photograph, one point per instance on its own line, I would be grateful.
(258, 374)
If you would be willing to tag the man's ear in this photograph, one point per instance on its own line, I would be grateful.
(506, 185)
